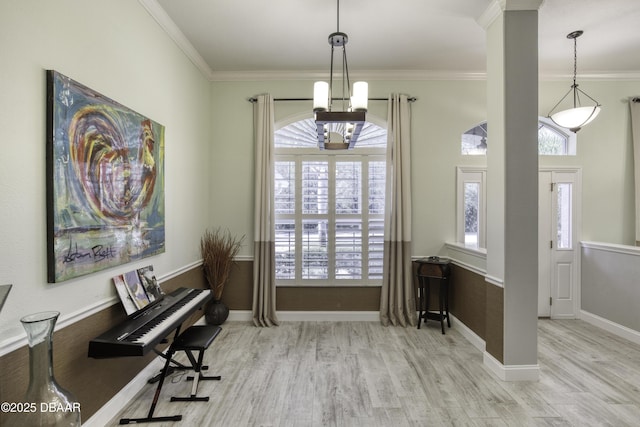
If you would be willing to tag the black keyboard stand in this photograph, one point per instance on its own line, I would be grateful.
(165, 371)
(177, 366)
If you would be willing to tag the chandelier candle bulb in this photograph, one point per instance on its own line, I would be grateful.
(360, 96)
(320, 96)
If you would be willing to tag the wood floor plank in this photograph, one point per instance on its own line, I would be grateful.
(341, 374)
(301, 385)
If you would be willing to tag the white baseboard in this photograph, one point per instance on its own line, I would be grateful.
(502, 372)
(311, 316)
(471, 336)
(329, 316)
(532, 372)
(240, 316)
(510, 372)
(104, 415)
(609, 326)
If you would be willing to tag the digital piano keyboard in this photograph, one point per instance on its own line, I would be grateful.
(144, 329)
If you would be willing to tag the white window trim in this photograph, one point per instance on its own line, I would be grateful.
(299, 155)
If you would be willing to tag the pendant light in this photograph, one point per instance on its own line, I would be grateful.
(578, 116)
(339, 124)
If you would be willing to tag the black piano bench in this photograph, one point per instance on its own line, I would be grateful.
(195, 338)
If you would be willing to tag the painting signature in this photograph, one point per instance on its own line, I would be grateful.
(97, 253)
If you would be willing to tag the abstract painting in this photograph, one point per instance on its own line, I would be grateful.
(105, 182)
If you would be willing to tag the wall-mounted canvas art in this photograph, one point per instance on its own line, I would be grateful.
(105, 182)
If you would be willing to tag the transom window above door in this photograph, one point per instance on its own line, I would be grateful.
(552, 140)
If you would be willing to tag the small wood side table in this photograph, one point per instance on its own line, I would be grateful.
(430, 269)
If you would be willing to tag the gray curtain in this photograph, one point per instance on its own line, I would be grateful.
(634, 104)
(264, 285)
(397, 301)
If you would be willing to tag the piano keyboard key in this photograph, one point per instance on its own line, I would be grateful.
(158, 325)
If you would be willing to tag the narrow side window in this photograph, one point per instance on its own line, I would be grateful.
(471, 207)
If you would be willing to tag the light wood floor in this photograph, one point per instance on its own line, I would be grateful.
(364, 374)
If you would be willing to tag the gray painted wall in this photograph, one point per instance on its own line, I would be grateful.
(611, 283)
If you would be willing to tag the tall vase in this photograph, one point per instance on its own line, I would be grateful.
(53, 405)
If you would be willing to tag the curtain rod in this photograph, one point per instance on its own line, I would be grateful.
(636, 99)
(411, 99)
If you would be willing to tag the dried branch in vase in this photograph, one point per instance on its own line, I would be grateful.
(218, 249)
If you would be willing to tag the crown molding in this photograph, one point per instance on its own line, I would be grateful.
(166, 23)
(594, 76)
(489, 15)
(407, 75)
(370, 75)
(496, 7)
(520, 4)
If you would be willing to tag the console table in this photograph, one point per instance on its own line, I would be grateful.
(429, 269)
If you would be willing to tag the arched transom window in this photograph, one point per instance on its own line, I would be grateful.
(552, 140)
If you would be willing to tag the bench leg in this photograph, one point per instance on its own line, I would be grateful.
(197, 367)
(441, 306)
(420, 300)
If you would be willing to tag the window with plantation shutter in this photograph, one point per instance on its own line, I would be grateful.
(329, 208)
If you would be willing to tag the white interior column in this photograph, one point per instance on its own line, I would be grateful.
(512, 179)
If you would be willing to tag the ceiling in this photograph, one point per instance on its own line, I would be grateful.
(234, 39)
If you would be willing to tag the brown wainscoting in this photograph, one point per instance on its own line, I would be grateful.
(328, 298)
(480, 306)
(468, 300)
(238, 294)
(94, 382)
(495, 322)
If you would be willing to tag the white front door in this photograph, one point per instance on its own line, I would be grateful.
(558, 243)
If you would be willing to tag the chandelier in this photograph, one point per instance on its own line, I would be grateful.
(578, 116)
(339, 123)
